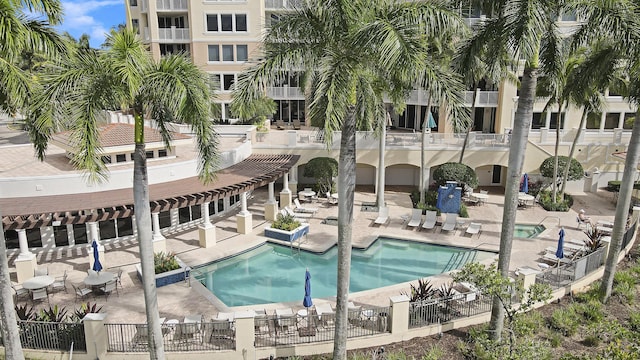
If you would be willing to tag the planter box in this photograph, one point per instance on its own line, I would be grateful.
(169, 277)
(284, 235)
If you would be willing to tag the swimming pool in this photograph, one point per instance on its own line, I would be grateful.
(273, 273)
(528, 231)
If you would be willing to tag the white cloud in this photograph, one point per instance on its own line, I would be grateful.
(83, 17)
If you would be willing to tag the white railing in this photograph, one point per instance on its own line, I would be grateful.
(172, 5)
(145, 34)
(281, 4)
(144, 6)
(173, 33)
(285, 93)
(487, 99)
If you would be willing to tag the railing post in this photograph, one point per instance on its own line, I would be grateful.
(245, 334)
(399, 308)
(95, 334)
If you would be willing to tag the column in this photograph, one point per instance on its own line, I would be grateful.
(206, 230)
(293, 179)
(399, 314)
(25, 262)
(244, 219)
(381, 168)
(245, 334)
(96, 334)
(94, 234)
(285, 194)
(271, 207)
(159, 241)
(528, 278)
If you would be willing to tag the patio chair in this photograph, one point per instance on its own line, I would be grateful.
(108, 288)
(331, 200)
(302, 209)
(119, 278)
(60, 283)
(416, 218)
(81, 291)
(41, 271)
(297, 214)
(285, 319)
(218, 329)
(450, 222)
(296, 125)
(354, 314)
(325, 313)
(430, 220)
(20, 292)
(261, 322)
(280, 125)
(39, 294)
(383, 216)
(580, 222)
(474, 228)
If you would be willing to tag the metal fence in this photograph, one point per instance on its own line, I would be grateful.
(176, 337)
(442, 310)
(52, 335)
(563, 275)
(271, 331)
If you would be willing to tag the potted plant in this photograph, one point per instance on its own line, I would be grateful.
(286, 228)
(169, 269)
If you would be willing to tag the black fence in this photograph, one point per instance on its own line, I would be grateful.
(52, 335)
(442, 310)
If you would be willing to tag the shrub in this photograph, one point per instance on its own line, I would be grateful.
(592, 294)
(434, 353)
(590, 311)
(85, 309)
(614, 185)
(430, 198)
(591, 340)
(528, 324)
(625, 291)
(464, 212)
(453, 171)
(555, 339)
(624, 277)
(634, 322)
(576, 172)
(565, 321)
(164, 262)
(285, 222)
(559, 205)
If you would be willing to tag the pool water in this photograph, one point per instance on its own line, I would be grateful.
(527, 231)
(273, 273)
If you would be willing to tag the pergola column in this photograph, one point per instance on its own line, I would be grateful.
(94, 235)
(206, 230)
(271, 207)
(25, 262)
(285, 194)
(159, 241)
(244, 220)
(293, 180)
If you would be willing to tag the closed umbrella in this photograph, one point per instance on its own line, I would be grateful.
(524, 187)
(560, 251)
(431, 123)
(96, 257)
(307, 302)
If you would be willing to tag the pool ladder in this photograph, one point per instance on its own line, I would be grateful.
(550, 216)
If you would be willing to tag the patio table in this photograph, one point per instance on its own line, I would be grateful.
(38, 282)
(102, 278)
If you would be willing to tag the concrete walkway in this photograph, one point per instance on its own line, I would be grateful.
(176, 301)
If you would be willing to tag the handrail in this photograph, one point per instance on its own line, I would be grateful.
(550, 216)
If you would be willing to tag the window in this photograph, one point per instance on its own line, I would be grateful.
(593, 121)
(107, 229)
(241, 22)
(242, 54)
(554, 121)
(214, 81)
(214, 53)
(149, 154)
(226, 22)
(164, 218)
(629, 118)
(80, 233)
(196, 212)
(184, 215)
(539, 120)
(125, 227)
(34, 239)
(164, 22)
(178, 22)
(162, 153)
(611, 120)
(133, 2)
(212, 22)
(61, 235)
(135, 23)
(227, 53)
(11, 239)
(228, 80)
(106, 159)
(121, 158)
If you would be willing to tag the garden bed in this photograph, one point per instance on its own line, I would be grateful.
(169, 277)
(285, 235)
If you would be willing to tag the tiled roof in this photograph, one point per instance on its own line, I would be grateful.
(120, 135)
(253, 172)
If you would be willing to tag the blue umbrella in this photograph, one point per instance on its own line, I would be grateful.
(307, 302)
(96, 257)
(524, 187)
(560, 251)
(431, 123)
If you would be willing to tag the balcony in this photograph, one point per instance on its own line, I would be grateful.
(484, 98)
(285, 93)
(271, 5)
(172, 5)
(173, 34)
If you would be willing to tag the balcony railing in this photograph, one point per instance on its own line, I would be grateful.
(285, 93)
(281, 4)
(172, 5)
(173, 33)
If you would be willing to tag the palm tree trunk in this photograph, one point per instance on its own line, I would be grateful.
(622, 209)
(473, 121)
(8, 322)
(143, 225)
(565, 175)
(517, 149)
(346, 189)
(423, 160)
(555, 158)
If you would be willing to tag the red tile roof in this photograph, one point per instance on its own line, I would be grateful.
(120, 135)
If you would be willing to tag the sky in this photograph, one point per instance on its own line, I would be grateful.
(93, 18)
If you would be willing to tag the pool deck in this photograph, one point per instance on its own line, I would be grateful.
(177, 300)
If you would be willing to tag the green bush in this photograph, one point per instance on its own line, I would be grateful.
(453, 171)
(625, 291)
(528, 324)
(592, 294)
(555, 339)
(591, 340)
(430, 198)
(634, 322)
(560, 205)
(464, 212)
(591, 311)
(576, 171)
(285, 222)
(614, 185)
(565, 321)
(624, 276)
(164, 262)
(434, 353)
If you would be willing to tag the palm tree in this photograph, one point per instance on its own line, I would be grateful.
(526, 32)
(21, 34)
(125, 76)
(352, 52)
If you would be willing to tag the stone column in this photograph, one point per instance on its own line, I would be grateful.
(285, 194)
(381, 168)
(399, 314)
(245, 334)
(206, 230)
(26, 262)
(94, 234)
(244, 219)
(96, 335)
(528, 278)
(271, 207)
(293, 179)
(159, 241)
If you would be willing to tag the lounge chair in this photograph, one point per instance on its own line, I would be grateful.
(474, 228)
(416, 218)
(295, 214)
(430, 220)
(325, 313)
(331, 200)
(450, 222)
(285, 319)
(296, 125)
(383, 216)
(302, 209)
(280, 124)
